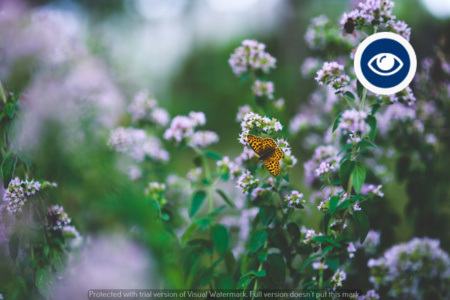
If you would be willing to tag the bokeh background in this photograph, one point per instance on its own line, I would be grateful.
(178, 50)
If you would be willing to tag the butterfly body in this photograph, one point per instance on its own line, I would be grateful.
(268, 152)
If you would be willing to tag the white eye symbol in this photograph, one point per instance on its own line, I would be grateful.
(385, 64)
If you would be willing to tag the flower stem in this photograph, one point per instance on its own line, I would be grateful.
(2, 93)
(255, 288)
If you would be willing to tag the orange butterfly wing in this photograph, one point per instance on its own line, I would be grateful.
(256, 143)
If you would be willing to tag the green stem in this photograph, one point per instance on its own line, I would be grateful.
(207, 177)
(255, 288)
(320, 281)
(2, 93)
(363, 99)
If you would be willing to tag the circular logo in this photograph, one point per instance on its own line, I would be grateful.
(385, 63)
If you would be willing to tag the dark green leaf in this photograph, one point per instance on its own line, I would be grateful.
(266, 214)
(244, 282)
(332, 263)
(196, 202)
(362, 224)
(344, 148)
(346, 203)
(257, 240)
(310, 260)
(322, 239)
(375, 107)
(368, 144)
(230, 262)
(44, 282)
(220, 238)
(349, 96)
(359, 88)
(8, 168)
(14, 245)
(261, 255)
(372, 121)
(333, 203)
(276, 268)
(217, 211)
(188, 232)
(197, 161)
(336, 122)
(225, 198)
(358, 176)
(293, 230)
(212, 155)
(345, 172)
(11, 109)
(261, 273)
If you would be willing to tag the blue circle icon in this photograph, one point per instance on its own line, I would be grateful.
(385, 63)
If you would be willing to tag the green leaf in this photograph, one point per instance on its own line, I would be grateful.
(188, 232)
(349, 96)
(345, 172)
(8, 168)
(359, 89)
(257, 240)
(362, 224)
(230, 262)
(266, 214)
(14, 245)
(336, 121)
(310, 260)
(375, 107)
(333, 204)
(322, 239)
(212, 155)
(225, 198)
(346, 203)
(261, 273)
(11, 109)
(294, 231)
(368, 144)
(196, 202)
(276, 268)
(220, 238)
(344, 148)
(262, 255)
(332, 263)
(44, 282)
(244, 282)
(372, 122)
(358, 176)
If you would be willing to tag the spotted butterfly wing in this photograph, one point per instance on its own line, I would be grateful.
(256, 143)
(268, 152)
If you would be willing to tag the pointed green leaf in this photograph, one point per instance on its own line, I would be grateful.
(257, 240)
(196, 202)
(336, 121)
(220, 238)
(362, 224)
(225, 198)
(358, 176)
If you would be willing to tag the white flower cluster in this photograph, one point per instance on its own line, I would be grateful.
(194, 175)
(155, 188)
(324, 168)
(309, 233)
(136, 144)
(242, 111)
(327, 154)
(56, 218)
(246, 182)
(203, 138)
(183, 128)
(372, 190)
(255, 121)
(294, 199)
(263, 88)
(354, 122)
(315, 35)
(422, 257)
(143, 108)
(251, 56)
(18, 191)
(338, 277)
(406, 96)
(401, 28)
(332, 74)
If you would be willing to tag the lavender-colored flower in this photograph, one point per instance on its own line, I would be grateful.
(354, 122)
(263, 88)
(256, 122)
(372, 190)
(395, 113)
(19, 191)
(351, 250)
(376, 11)
(370, 295)
(246, 182)
(134, 173)
(406, 96)
(371, 242)
(203, 138)
(294, 199)
(243, 110)
(141, 106)
(310, 66)
(317, 265)
(422, 257)
(324, 168)
(332, 74)
(137, 145)
(401, 28)
(251, 56)
(327, 154)
(56, 218)
(338, 277)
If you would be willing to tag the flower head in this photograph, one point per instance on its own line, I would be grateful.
(56, 218)
(332, 74)
(251, 56)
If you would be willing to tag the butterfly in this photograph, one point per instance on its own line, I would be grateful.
(268, 152)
